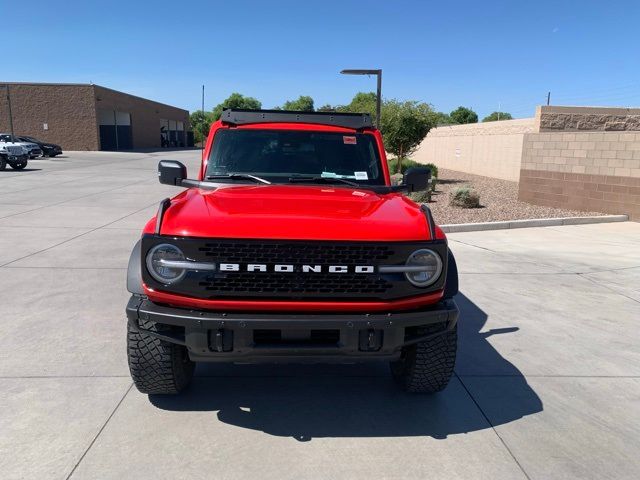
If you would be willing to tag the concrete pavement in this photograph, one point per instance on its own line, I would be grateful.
(548, 371)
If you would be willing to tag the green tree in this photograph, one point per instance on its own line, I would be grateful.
(362, 102)
(236, 100)
(495, 116)
(327, 108)
(441, 118)
(304, 103)
(464, 115)
(404, 125)
(200, 122)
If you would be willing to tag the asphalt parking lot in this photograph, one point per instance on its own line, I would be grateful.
(547, 380)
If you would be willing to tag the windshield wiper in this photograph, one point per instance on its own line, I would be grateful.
(239, 176)
(322, 180)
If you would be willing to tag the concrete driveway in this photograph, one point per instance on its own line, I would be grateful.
(547, 381)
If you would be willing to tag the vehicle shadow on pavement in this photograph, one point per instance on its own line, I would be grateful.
(316, 401)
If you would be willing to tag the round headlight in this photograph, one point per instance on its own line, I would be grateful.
(430, 267)
(162, 273)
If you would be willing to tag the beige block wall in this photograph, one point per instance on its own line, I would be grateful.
(593, 153)
(592, 171)
(492, 149)
(551, 118)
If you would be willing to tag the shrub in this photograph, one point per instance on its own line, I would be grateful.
(464, 197)
(396, 178)
(434, 175)
(406, 164)
(421, 197)
(434, 169)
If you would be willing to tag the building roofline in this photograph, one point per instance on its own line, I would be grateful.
(49, 84)
(52, 84)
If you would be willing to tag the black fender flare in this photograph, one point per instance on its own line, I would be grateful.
(134, 270)
(451, 283)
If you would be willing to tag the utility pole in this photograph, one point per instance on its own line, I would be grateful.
(10, 114)
(378, 73)
(548, 98)
(378, 99)
(202, 152)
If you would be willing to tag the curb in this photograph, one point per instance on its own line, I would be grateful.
(538, 222)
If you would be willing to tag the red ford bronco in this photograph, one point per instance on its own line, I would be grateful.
(291, 246)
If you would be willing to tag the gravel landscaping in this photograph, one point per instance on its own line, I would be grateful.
(498, 200)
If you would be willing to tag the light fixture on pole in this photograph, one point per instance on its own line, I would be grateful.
(378, 73)
(10, 114)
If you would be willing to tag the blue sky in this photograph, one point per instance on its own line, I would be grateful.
(479, 54)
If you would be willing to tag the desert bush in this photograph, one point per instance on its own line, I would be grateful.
(407, 163)
(464, 197)
(396, 178)
(434, 175)
(434, 169)
(421, 197)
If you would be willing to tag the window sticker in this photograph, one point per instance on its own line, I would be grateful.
(349, 140)
(361, 175)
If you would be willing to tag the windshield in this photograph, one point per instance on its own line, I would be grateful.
(280, 155)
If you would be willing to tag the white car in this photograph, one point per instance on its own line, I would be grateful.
(15, 154)
(33, 149)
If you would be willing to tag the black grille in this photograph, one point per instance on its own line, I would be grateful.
(296, 285)
(292, 284)
(312, 253)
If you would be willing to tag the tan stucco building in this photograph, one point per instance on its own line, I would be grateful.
(91, 117)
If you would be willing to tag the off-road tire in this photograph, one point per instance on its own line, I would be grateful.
(156, 366)
(3, 163)
(427, 367)
(19, 165)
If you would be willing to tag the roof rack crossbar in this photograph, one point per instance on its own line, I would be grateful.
(356, 121)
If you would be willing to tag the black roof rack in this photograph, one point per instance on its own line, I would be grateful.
(357, 121)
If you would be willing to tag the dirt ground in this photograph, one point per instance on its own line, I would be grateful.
(498, 200)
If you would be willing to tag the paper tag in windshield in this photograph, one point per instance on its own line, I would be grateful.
(361, 175)
(349, 140)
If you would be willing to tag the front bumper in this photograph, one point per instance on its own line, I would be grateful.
(17, 158)
(52, 151)
(291, 337)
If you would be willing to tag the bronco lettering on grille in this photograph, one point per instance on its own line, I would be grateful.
(287, 268)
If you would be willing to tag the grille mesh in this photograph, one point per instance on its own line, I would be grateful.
(293, 284)
(319, 254)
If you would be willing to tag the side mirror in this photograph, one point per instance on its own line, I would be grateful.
(171, 172)
(417, 179)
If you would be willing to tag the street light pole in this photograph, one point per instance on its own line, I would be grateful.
(10, 114)
(378, 99)
(378, 73)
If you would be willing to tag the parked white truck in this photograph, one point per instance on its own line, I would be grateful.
(14, 154)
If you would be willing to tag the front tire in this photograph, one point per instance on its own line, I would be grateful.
(19, 165)
(156, 366)
(3, 163)
(427, 367)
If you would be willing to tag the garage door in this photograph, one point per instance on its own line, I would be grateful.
(115, 130)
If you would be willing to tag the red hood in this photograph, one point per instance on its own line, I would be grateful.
(294, 212)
